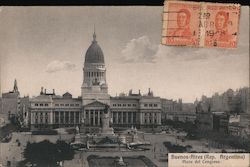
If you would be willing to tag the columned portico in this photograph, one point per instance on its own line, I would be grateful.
(93, 114)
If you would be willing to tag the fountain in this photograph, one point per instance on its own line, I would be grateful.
(106, 138)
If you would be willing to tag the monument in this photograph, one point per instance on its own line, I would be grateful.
(106, 123)
(106, 138)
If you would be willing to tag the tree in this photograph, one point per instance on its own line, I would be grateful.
(64, 151)
(46, 153)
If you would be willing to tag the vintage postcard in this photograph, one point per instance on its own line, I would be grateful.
(200, 24)
(92, 86)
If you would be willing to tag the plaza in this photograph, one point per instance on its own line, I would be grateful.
(155, 152)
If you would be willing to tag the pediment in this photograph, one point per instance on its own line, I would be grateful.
(96, 104)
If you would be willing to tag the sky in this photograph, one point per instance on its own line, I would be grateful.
(46, 46)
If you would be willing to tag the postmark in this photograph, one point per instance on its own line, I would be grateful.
(200, 24)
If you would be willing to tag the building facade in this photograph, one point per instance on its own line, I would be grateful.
(49, 110)
(141, 111)
(10, 103)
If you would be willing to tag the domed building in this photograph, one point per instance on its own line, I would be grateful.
(95, 97)
(124, 111)
(88, 110)
(94, 84)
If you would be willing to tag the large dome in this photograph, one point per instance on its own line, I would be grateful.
(94, 53)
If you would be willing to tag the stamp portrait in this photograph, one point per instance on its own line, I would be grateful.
(200, 24)
(182, 26)
(222, 26)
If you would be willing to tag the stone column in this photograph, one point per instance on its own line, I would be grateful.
(52, 117)
(111, 114)
(147, 118)
(70, 118)
(152, 118)
(126, 117)
(59, 117)
(83, 116)
(122, 117)
(117, 118)
(93, 117)
(80, 117)
(142, 118)
(132, 117)
(31, 118)
(74, 115)
(63, 117)
(38, 117)
(98, 117)
(89, 117)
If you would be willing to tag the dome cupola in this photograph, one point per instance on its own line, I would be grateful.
(94, 53)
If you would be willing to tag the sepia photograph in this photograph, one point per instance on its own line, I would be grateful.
(94, 86)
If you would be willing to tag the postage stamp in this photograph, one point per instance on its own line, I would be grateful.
(222, 25)
(200, 24)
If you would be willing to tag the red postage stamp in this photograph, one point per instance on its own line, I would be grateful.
(222, 26)
(200, 24)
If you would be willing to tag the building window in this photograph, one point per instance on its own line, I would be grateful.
(77, 104)
(77, 117)
(56, 104)
(71, 105)
(61, 117)
(155, 105)
(119, 105)
(66, 117)
(114, 105)
(145, 105)
(41, 104)
(124, 118)
(129, 117)
(134, 105)
(36, 104)
(72, 117)
(150, 105)
(46, 117)
(61, 104)
(41, 117)
(129, 105)
(134, 116)
(124, 105)
(46, 104)
(66, 104)
(56, 117)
